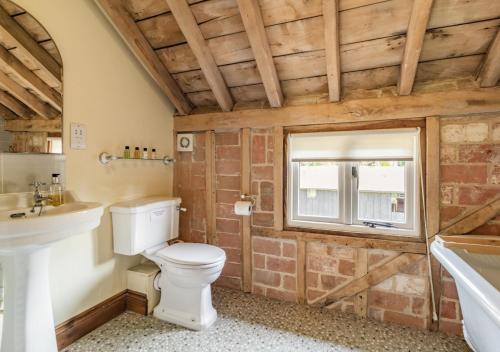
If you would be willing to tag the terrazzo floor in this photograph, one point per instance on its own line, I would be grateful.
(251, 323)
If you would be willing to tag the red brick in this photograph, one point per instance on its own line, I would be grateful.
(464, 174)
(198, 169)
(289, 283)
(446, 275)
(258, 290)
(270, 141)
(281, 295)
(476, 195)
(346, 267)
(418, 306)
(448, 309)
(227, 167)
(449, 327)
(198, 223)
(228, 153)
(495, 175)
(225, 211)
(227, 138)
(485, 153)
(228, 182)
(197, 236)
(489, 229)
(262, 173)
(417, 268)
(227, 197)
(258, 149)
(313, 294)
(199, 153)
(266, 246)
(387, 300)
(405, 319)
(289, 250)
(267, 278)
(448, 213)
(227, 225)
(323, 264)
(449, 289)
(448, 154)
(259, 261)
(312, 279)
(228, 240)
(329, 282)
(232, 270)
(229, 282)
(266, 196)
(263, 219)
(233, 255)
(281, 265)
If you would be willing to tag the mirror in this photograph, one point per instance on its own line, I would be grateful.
(30, 101)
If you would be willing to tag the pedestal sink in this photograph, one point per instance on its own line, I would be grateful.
(28, 323)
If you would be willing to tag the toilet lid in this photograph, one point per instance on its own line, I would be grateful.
(192, 253)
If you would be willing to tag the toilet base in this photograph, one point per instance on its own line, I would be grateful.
(182, 319)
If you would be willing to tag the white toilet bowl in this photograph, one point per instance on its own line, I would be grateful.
(187, 271)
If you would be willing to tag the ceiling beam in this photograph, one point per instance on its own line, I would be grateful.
(27, 98)
(189, 27)
(16, 67)
(6, 114)
(490, 70)
(460, 102)
(10, 29)
(52, 126)
(254, 27)
(140, 47)
(332, 48)
(419, 18)
(16, 106)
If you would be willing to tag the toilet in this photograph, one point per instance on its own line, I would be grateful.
(143, 226)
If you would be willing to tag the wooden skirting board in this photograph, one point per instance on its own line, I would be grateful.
(89, 320)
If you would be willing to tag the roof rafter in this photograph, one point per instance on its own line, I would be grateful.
(419, 18)
(254, 27)
(16, 106)
(189, 27)
(490, 70)
(332, 48)
(139, 45)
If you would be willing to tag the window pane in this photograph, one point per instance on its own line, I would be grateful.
(318, 194)
(381, 191)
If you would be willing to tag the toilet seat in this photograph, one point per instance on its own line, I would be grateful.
(192, 255)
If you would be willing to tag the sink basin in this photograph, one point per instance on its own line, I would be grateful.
(28, 324)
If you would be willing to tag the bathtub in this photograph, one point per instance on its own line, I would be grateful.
(477, 277)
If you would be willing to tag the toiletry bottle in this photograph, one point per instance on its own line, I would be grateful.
(145, 153)
(153, 153)
(56, 191)
(126, 152)
(137, 153)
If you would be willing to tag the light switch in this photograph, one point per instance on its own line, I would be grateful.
(78, 136)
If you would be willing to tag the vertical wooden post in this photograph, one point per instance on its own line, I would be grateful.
(433, 200)
(278, 178)
(246, 252)
(301, 271)
(210, 185)
(360, 270)
(175, 176)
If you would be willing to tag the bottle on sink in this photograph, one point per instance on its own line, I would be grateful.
(56, 193)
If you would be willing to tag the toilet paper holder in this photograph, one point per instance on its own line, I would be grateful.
(249, 198)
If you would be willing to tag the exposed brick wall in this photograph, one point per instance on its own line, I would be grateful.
(228, 190)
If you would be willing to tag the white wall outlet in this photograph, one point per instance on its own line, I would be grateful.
(78, 136)
(185, 142)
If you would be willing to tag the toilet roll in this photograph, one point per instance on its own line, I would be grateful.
(243, 208)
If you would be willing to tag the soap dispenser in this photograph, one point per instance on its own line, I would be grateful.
(56, 191)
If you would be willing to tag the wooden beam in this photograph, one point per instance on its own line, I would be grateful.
(372, 278)
(451, 103)
(27, 98)
(351, 240)
(13, 64)
(6, 114)
(332, 47)
(472, 245)
(246, 251)
(360, 270)
(420, 14)
(254, 26)
(278, 177)
(189, 27)
(10, 29)
(210, 185)
(472, 221)
(301, 271)
(490, 70)
(54, 125)
(138, 44)
(16, 106)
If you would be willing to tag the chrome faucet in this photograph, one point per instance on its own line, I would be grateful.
(38, 198)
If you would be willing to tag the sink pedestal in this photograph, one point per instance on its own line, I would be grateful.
(28, 324)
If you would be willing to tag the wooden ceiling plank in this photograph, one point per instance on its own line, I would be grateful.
(53, 97)
(138, 44)
(27, 98)
(254, 27)
(490, 70)
(189, 27)
(419, 19)
(29, 47)
(7, 114)
(54, 125)
(332, 47)
(16, 106)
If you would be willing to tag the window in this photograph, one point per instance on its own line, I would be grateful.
(363, 181)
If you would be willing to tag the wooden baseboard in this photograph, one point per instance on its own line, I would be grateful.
(89, 320)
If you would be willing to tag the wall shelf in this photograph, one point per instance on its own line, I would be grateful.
(106, 158)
